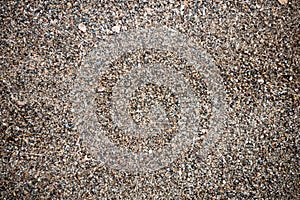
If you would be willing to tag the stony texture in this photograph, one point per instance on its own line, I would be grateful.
(256, 47)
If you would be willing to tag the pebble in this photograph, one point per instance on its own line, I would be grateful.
(283, 2)
(82, 27)
(21, 103)
(116, 29)
(260, 80)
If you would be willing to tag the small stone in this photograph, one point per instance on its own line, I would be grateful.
(21, 103)
(40, 115)
(54, 22)
(149, 11)
(100, 89)
(260, 80)
(116, 29)
(82, 27)
(186, 2)
(283, 2)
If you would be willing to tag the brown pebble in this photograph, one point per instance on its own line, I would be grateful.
(82, 27)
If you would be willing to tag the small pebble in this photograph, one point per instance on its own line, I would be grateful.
(116, 29)
(283, 2)
(82, 27)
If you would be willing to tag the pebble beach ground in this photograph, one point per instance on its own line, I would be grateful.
(255, 46)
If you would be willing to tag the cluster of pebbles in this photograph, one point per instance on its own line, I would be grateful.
(255, 45)
(146, 98)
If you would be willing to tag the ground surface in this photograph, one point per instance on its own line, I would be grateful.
(255, 45)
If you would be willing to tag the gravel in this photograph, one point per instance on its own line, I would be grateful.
(254, 44)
